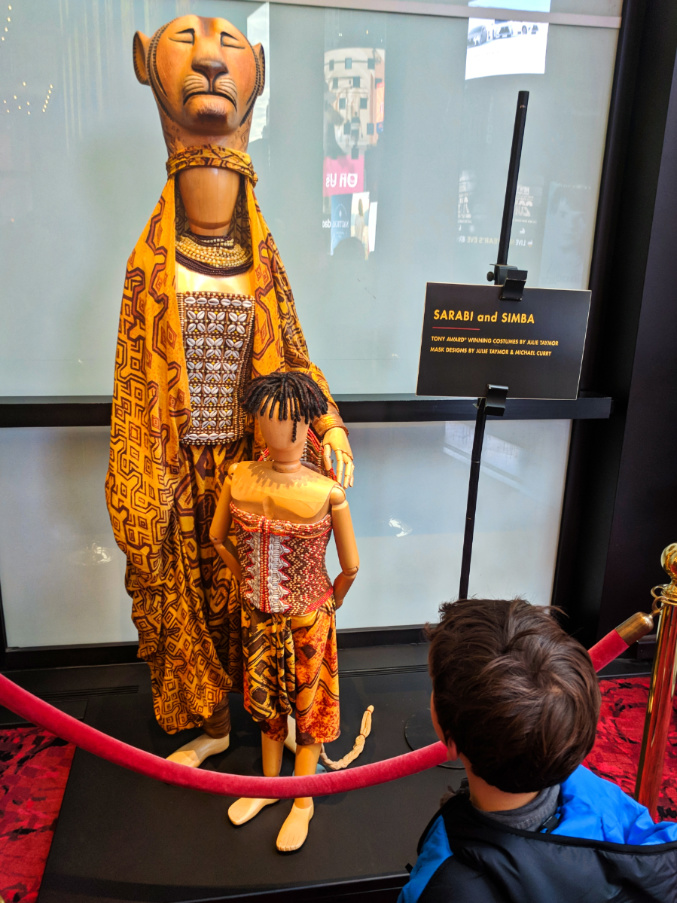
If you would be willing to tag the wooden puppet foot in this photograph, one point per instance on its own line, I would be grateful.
(294, 831)
(244, 809)
(194, 753)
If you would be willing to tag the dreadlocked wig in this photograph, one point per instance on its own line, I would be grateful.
(298, 396)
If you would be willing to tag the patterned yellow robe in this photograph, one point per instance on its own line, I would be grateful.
(161, 494)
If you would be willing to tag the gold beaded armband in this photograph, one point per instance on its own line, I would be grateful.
(329, 421)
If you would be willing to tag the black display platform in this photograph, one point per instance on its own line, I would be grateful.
(123, 837)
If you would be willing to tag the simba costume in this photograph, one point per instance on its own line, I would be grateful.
(288, 626)
(181, 364)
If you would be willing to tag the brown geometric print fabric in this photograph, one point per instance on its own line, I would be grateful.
(151, 403)
(151, 398)
(291, 666)
(157, 491)
(189, 618)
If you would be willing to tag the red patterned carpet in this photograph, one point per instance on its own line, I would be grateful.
(34, 767)
(615, 755)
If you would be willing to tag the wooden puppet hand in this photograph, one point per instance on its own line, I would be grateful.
(341, 586)
(335, 440)
(338, 600)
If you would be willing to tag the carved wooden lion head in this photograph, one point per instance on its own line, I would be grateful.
(205, 76)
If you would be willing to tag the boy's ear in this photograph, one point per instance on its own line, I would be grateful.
(452, 749)
(451, 746)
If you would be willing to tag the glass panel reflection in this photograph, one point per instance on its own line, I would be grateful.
(62, 574)
(369, 193)
(409, 506)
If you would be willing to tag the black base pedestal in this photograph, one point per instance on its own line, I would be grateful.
(123, 837)
(419, 732)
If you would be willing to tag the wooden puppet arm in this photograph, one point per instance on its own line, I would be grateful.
(346, 546)
(220, 527)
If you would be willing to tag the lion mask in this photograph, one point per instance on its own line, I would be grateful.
(205, 77)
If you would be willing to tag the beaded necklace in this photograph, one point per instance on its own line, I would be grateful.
(213, 255)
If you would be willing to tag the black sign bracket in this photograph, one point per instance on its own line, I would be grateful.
(512, 279)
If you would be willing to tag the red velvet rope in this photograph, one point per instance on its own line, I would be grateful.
(99, 744)
(93, 741)
(608, 648)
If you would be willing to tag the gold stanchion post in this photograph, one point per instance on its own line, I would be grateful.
(662, 689)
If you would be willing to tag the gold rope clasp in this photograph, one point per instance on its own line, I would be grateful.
(662, 596)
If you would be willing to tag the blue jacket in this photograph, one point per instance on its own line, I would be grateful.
(605, 847)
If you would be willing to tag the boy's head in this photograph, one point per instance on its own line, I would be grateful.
(516, 694)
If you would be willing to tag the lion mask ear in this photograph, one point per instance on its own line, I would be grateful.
(260, 58)
(140, 52)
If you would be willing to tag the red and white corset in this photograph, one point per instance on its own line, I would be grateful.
(283, 563)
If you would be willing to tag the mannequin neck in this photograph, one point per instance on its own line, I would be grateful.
(209, 195)
(287, 466)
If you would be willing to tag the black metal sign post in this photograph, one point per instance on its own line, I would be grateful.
(492, 403)
(502, 274)
(418, 729)
(534, 344)
(512, 280)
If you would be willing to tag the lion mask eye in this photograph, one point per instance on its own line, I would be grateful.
(187, 36)
(229, 40)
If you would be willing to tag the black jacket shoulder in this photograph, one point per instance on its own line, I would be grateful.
(495, 864)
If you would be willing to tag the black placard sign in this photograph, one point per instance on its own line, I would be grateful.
(471, 338)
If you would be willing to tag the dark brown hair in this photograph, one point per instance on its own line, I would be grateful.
(298, 396)
(517, 695)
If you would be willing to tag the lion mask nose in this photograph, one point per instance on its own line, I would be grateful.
(209, 66)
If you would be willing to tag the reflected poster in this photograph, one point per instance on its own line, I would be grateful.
(354, 115)
(507, 46)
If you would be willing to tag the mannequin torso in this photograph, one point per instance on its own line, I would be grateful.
(302, 496)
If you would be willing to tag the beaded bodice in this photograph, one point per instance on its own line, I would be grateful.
(217, 332)
(283, 565)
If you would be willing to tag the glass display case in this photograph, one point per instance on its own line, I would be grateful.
(381, 144)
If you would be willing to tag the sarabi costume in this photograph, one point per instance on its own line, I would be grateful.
(288, 626)
(179, 363)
